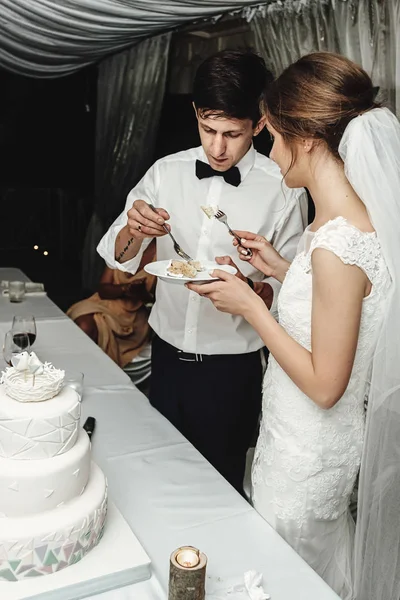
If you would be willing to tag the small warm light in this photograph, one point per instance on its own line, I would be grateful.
(188, 557)
(35, 247)
(45, 253)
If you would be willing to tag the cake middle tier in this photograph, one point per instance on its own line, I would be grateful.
(28, 487)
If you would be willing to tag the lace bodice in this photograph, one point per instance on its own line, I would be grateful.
(353, 247)
(318, 449)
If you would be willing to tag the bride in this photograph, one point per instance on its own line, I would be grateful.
(336, 342)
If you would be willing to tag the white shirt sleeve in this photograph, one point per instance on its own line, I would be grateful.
(146, 190)
(288, 233)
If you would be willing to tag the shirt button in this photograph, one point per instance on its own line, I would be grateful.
(205, 232)
(190, 330)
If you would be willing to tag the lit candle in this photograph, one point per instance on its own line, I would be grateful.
(187, 574)
(188, 557)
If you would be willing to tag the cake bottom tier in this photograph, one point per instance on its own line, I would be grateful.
(48, 542)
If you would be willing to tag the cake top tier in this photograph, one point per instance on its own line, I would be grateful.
(29, 380)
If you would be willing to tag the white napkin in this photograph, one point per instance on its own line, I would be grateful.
(251, 588)
(31, 288)
(252, 581)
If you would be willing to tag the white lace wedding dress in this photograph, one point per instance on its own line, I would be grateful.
(307, 459)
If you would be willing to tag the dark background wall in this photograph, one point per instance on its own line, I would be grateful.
(47, 130)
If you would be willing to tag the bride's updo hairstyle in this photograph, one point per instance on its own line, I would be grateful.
(316, 97)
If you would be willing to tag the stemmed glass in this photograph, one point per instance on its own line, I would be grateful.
(74, 380)
(24, 325)
(15, 343)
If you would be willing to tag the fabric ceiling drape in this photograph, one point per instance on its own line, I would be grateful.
(363, 30)
(131, 88)
(48, 38)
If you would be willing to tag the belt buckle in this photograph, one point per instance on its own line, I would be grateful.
(197, 357)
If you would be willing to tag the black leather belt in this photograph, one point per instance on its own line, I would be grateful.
(189, 356)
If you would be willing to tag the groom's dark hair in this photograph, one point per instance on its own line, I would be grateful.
(231, 83)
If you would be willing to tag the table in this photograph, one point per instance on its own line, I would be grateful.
(66, 346)
(40, 306)
(169, 494)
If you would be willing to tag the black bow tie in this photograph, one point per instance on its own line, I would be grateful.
(231, 176)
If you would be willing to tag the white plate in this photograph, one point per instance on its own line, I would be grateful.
(159, 269)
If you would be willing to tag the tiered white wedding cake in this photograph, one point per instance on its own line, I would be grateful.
(53, 498)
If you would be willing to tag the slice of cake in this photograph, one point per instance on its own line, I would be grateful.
(210, 210)
(179, 268)
(53, 498)
(197, 265)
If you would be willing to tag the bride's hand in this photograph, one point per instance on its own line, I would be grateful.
(229, 294)
(265, 258)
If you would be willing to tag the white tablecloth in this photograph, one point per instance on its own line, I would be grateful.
(39, 306)
(67, 347)
(166, 490)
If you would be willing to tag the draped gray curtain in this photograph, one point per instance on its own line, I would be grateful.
(363, 30)
(48, 38)
(283, 33)
(392, 50)
(131, 88)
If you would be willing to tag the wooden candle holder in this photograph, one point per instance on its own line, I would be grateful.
(187, 582)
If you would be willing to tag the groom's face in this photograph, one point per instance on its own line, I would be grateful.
(225, 140)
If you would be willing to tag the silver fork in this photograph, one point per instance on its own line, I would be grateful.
(221, 216)
(177, 247)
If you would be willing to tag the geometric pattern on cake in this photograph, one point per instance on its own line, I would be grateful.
(49, 431)
(61, 547)
(53, 556)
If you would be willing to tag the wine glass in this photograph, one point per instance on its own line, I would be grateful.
(15, 343)
(25, 325)
(74, 380)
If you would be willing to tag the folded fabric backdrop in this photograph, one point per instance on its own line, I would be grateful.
(49, 38)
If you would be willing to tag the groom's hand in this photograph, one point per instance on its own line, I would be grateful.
(226, 260)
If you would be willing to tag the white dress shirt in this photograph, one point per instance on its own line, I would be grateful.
(261, 204)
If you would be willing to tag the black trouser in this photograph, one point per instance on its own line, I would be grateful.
(214, 402)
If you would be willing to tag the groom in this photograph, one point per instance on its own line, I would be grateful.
(206, 366)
